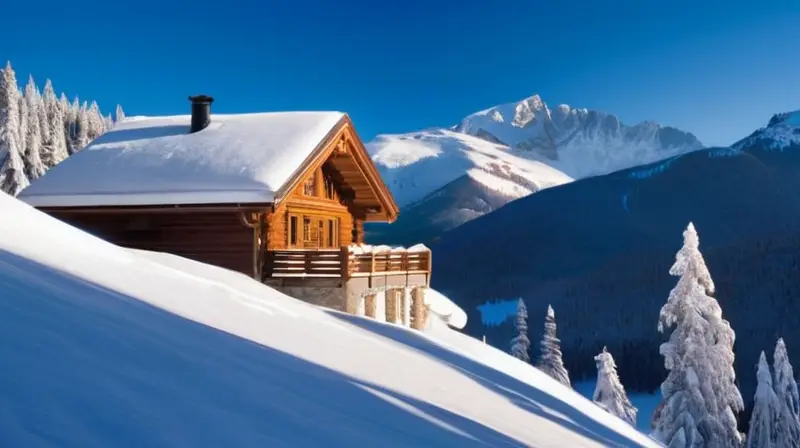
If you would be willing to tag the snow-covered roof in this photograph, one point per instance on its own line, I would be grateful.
(244, 158)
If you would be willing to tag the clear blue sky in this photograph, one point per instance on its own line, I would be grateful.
(715, 68)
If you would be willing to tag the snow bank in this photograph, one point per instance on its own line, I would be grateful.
(364, 249)
(243, 158)
(105, 346)
(448, 311)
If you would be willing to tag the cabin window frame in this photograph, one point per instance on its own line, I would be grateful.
(300, 234)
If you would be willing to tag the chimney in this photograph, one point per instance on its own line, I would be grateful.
(201, 112)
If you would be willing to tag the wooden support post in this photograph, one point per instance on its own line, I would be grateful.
(344, 259)
(370, 306)
(417, 309)
(391, 305)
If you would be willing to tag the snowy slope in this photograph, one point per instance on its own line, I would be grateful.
(414, 165)
(782, 132)
(579, 142)
(105, 346)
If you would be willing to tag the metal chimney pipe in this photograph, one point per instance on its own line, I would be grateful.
(201, 112)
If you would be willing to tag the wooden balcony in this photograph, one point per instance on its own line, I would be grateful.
(343, 265)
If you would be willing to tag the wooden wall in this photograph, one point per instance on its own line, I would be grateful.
(217, 238)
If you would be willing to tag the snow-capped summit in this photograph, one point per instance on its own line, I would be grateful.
(782, 131)
(443, 178)
(577, 141)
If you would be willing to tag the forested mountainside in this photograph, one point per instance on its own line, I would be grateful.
(39, 129)
(599, 250)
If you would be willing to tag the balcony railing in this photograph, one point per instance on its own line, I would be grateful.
(342, 263)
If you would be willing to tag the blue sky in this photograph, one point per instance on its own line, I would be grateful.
(718, 69)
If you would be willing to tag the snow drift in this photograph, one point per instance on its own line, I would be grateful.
(104, 346)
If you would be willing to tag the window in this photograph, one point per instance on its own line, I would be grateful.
(310, 186)
(312, 232)
(306, 230)
(333, 233)
(293, 239)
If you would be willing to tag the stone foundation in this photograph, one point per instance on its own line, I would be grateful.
(333, 298)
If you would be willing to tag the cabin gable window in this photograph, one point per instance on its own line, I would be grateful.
(310, 186)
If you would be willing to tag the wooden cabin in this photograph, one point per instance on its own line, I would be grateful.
(282, 197)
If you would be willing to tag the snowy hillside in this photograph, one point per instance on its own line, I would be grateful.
(579, 142)
(416, 164)
(111, 347)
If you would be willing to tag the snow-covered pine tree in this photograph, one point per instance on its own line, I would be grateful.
(95, 126)
(81, 127)
(34, 168)
(120, 114)
(550, 360)
(785, 389)
(12, 168)
(700, 393)
(763, 432)
(22, 134)
(54, 143)
(108, 122)
(609, 393)
(521, 345)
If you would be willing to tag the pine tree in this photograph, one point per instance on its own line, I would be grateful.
(34, 168)
(550, 361)
(81, 127)
(763, 432)
(22, 134)
(700, 393)
(120, 114)
(54, 143)
(12, 168)
(520, 345)
(609, 393)
(95, 127)
(785, 389)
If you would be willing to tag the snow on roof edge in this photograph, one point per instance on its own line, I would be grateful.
(156, 198)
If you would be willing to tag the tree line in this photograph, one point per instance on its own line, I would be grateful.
(702, 405)
(39, 129)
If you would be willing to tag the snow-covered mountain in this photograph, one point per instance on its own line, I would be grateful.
(782, 131)
(579, 142)
(415, 164)
(443, 178)
(105, 346)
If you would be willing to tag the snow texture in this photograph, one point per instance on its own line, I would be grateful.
(444, 308)
(243, 158)
(609, 393)
(763, 431)
(107, 346)
(785, 387)
(416, 164)
(520, 344)
(550, 360)
(700, 393)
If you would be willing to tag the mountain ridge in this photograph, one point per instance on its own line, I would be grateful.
(473, 159)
